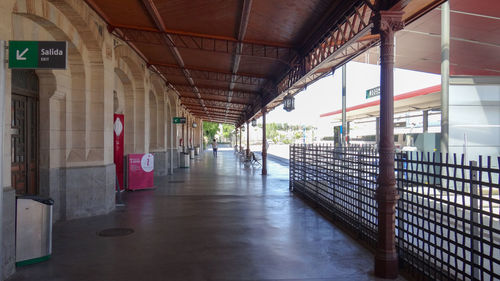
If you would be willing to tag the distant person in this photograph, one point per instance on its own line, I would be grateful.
(214, 147)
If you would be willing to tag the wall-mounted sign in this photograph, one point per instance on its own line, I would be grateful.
(374, 92)
(38, 54)
(179, 120)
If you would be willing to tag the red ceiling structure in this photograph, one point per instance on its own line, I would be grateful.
(229, 59)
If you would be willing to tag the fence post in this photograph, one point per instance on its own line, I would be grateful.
(360, 193)
(400, 207)
(475, 218)
(316, 166)
(291, 171)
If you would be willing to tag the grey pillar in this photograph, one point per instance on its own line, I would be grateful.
(264, 143)
(344, 121)
(386, 259)
(377, 130)
(445, 74)
(425, 121)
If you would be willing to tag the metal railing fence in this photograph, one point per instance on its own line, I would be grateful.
(447, 216)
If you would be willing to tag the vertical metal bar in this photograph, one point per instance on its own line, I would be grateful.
(377, 130)
(264, 143)
(241, 144)
(386, 260)
(344, 121)
(3, 75)
(360, 192)
(425, 121)
(248, 139)
(475, 218)
(445, 75)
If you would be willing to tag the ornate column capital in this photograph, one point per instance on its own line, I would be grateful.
(388, 22)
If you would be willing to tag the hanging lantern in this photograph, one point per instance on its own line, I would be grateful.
(242, 128)
(254, 122)
(289, 103)
(195, 125)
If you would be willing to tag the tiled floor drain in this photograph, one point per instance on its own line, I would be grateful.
(115, 232)
(175, 181)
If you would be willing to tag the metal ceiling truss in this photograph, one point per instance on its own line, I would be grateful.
(156, 17)
(342, 35)
(342, 42)
(245, 79)
(218, 92)
(215, 44)
(224, 104)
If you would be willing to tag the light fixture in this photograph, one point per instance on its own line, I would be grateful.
(254, 122)
(289, 103)
(242, 128)
(195, 125)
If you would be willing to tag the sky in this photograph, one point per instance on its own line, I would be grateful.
(325, 95)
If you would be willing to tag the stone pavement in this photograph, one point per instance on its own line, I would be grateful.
(216, 221)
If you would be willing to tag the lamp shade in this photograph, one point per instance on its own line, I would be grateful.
(195, 125)
(254, 122)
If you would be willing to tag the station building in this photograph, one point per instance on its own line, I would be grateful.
(59, 123)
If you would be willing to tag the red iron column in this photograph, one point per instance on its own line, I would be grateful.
(264, 143)
(248, 140)
(386, 259)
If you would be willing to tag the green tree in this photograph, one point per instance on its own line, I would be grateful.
(210, 129)
(272, 132)
(226, 130)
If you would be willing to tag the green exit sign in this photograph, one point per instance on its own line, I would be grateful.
(374, 92)
(179, 120)
(38, 54)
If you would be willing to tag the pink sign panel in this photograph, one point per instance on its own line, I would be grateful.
(118, 147)
(140, 171)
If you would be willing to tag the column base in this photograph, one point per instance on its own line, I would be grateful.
(386, 267)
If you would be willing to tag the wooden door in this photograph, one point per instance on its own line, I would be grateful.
(24, 133)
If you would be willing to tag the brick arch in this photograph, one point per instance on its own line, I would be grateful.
(129, 65)
(84, 98)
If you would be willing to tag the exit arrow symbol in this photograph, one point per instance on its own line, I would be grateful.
(19, 56)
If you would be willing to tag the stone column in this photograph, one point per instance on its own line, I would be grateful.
(386, 259)
(241, 144)
(264, 143)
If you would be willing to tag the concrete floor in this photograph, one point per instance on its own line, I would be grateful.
(214, 221)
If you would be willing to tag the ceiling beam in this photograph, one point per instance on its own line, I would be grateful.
(209, 74)
(217, 91)
(199, 35)
(242, 30)
(155, 15)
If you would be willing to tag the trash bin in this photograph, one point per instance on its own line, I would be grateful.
(191, 153)
(33, 229)
(184, 160)
(197, 151)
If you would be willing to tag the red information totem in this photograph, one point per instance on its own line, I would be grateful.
(140, 171)
(118, 147)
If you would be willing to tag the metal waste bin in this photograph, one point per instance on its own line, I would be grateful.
(184, 160)
(191, 153)
(197, 151)
(33, 229)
